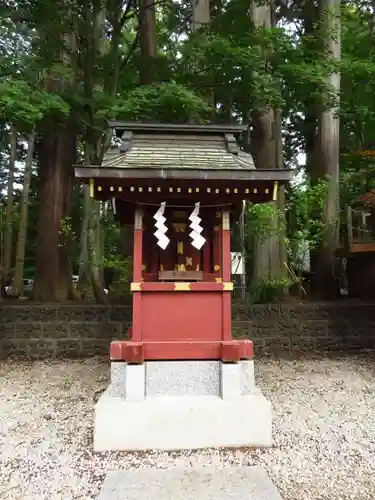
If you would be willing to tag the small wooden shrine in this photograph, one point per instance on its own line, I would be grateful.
(180, 186)
(181, 381)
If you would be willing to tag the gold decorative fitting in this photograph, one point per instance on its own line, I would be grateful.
(135, 287)
(189, 261)
(140, 189)
(180, 268)
(197, 190)
(266, 190)
(143, 268)
(178, 190)
(216, 268)
(235, 190)
(228, 287)
(255, 190)
(275, 191)
(217, 191)
(247, 191)
(119, 189)
(182, 286)
(227, 190)
(171, 190)
(131, 188)
(158, 189)
(91, 188)
(219, 280)
(161, 267)
(180, 248)
(208, 190)
(111, 188)
(150, 189)
(190, 190)
(198, 268)
(100, 188)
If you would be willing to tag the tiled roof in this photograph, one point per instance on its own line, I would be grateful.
(178, 151)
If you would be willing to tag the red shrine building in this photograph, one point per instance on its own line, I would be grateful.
(180, 187)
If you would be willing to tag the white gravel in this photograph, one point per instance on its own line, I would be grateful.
(324, 431)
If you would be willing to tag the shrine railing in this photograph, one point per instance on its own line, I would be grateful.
(357, 227)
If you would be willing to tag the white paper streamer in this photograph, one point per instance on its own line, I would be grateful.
(161, 228)
(197, 239)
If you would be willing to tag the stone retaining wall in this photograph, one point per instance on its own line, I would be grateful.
(307, 327)
(44, 331)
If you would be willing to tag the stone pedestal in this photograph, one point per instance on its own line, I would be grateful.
(174, 405)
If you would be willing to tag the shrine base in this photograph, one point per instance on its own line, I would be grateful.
(175, 405)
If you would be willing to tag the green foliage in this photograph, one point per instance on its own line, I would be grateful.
(25, 105)
(162, 102)
(357, 106)
(263, 220)
(304, 209)
(66, 226)
(66, 231)
(222, 72)
(123, 265)
(272, 290)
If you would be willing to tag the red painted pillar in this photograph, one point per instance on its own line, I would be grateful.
(206, 268)
(217, 267)
(137, 276)
(226, 274)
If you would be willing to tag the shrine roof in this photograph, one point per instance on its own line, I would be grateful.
(184, 147)
(177, 151)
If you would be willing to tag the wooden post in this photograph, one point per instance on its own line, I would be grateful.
(217, 265)
(137, 275)
(225, 247)
(226, 274)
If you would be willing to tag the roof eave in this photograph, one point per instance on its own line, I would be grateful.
(180, 128)
(84, 173)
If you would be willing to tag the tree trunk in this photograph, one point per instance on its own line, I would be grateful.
(84, 282)
(147, 41)
(17, 287)
(8, 238)
(57, 155)
(328, 157)
(263, 148)
(95, 248)
(90, 283)
(201, 14)
(279, 164)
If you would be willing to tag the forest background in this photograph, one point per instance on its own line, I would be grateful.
(300, 74)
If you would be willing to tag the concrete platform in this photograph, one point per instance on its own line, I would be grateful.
(206, 483)
(175, 405)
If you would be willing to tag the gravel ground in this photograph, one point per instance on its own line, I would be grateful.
(323, 428)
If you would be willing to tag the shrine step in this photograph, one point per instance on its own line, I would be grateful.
(192, 483)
